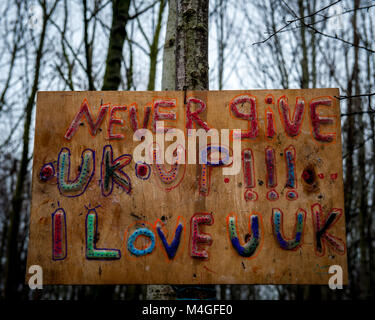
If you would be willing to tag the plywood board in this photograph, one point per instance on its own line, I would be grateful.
(300, 181)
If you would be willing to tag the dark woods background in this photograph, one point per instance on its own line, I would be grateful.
(120, 45)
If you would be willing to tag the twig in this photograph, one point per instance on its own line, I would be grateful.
(138, 13)
(312, 28)
(359, 146)
(297, 19)
(357, 113)
(355, 96)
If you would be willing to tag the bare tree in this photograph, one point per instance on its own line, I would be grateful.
(12, 265)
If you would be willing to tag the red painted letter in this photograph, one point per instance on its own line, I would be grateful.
(115, 121)
(197, 237)
(85, 111)
(316, 120)
(292, 126)
(251, 116)
(159, 116)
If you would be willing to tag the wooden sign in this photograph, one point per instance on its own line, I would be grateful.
(100, 217)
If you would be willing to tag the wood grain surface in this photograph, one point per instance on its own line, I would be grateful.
(120, 213)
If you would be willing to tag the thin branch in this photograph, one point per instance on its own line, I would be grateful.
(359, 146)
(324, 34)
(98, 9)
(357, 113)
(301, 19)
(337, 38)
(138, 13)
(289, 22)
(75, 55)
(355, 96)
(325, 18)
(273, 34)
(312, 14)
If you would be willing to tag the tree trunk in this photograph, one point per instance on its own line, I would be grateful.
(169, 55)
(304, 59)
(369, 223)
(278, 50)
(362, 183)
(112, 76)
(314, 44)
(192, 45)
(154, 48)
(12, 267)
(220, 42)
(88, 48)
